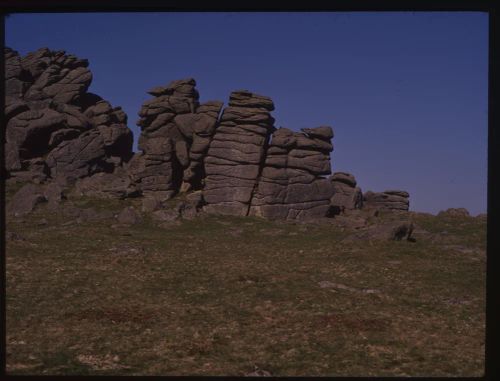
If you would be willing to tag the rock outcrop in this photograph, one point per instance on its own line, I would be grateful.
(454, 212)
(236, 153)
(346, 195)
(291, 185)
(388, 200)
(55, 128)
(176, 133)
(235, 162)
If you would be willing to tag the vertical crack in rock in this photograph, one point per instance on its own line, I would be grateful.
(56, 129)
(292, 185)
(261, 168)
(236, 153)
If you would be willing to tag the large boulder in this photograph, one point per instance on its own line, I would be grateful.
(129, 216)
(25, 200)
(175, 126)
(291, 185)
(107, 185)
(152, 169)
(385, 231)
(346, 196)
(54, 127)
(237, 153)
(388, 200)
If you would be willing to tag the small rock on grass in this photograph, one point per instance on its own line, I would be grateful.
(11, 236)
(257, 372)
(391, 231)
(25, 200)
(54, 194)
(150, 204)
(129, 216)
(166, 215)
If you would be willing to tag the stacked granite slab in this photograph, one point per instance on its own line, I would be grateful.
(176, 132)
(237, 152)
(197, 129)
(387, 200)
(55, 128)
(292, 185)
(346, 195)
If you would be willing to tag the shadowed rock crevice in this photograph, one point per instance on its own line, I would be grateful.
(259, 177)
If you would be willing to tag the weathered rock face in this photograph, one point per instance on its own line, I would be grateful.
(107, 185)
(55, 128)
(346, 195)
(176, 133)
(185, 146)
(388, 200)
(291, 185)
(236, 153)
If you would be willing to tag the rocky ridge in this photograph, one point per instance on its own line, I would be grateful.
(230, 160)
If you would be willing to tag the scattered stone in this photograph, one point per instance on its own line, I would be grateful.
(391, 231)
(150, 204)
(25, 200)
(54, 194)
(350, 221)
(129, 216)
(195, 199)
(272, 232)
(166, 215)
(235, 232)
(80, 215)
(71, 211)
(454, 212)
(401, 231)
(339, 286)
(188, 212)
(42, 222)
(257, 372)
(12, 236)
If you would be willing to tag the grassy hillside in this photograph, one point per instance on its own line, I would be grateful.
(226, 296)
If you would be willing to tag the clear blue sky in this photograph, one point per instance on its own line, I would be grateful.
(406, 93)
